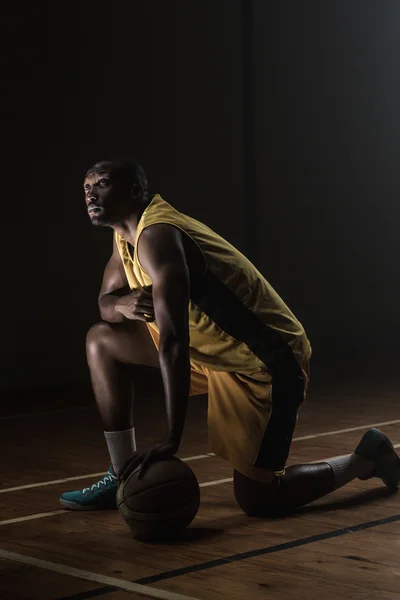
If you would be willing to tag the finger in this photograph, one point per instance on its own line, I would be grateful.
(144, 308)
(130, 465)
(128, 461)
(146, 316)
(136, 317)
(142, 469)
(146, 462)
(148, 296)
(140, 317)
(145, 297)
(128, 472)
(144, 301)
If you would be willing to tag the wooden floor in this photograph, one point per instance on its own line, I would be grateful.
(345, 546)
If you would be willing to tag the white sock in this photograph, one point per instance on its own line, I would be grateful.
(121, 445)
(347, 468)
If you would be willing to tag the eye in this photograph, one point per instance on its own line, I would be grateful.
(103, 182)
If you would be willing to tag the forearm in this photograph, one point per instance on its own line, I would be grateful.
(107, 304)
(175, 370)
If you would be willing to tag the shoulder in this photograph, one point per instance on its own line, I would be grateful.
(160, 252)
(158, 245)
(163, 243)
(160, 235)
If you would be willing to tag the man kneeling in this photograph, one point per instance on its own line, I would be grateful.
(177, 296)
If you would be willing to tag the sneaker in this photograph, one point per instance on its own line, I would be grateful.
(375, 446)
(100, 495)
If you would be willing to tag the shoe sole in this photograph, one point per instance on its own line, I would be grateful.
(367, 443)
(75, 506)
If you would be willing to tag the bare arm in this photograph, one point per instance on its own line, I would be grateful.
(114, 285)
(161, 253)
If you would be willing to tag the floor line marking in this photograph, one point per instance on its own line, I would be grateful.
(229, 560)
(52, 482)
(197, 457)
(347, 430)
(32, 517)
(204, 484)
(216, 482)
(166, 575)
(117, 584)
(88, 476)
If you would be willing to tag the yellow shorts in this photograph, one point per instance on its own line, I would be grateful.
(244, 429)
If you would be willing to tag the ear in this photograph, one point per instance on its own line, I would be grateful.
(137, 190)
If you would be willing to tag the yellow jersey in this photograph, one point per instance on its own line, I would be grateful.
(237, 321)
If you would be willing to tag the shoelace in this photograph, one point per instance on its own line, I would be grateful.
(105, 481)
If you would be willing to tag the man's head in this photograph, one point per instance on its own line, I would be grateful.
(115, 190)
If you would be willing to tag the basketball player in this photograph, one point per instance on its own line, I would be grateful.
(177, 296)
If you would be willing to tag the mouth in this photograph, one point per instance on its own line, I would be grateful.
(93, 210)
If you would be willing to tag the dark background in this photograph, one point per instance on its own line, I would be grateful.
(165, 82)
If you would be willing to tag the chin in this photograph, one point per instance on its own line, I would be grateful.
(101, 222)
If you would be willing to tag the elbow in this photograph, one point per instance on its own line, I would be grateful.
(101, 310)
(104, 313)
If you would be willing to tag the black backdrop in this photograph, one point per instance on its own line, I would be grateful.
(163, 82)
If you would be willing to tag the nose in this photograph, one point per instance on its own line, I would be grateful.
(91, 197)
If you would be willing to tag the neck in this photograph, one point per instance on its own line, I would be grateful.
(128, 227)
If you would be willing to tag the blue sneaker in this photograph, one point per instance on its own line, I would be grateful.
(377, 447)
(100, 495)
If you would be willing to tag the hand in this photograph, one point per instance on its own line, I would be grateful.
(140, 461)
(137, 306)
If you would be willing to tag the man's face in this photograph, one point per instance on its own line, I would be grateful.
(108, 201)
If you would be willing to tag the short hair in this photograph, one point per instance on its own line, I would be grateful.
(124, 169)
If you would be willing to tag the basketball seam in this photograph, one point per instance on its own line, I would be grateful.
(167, 483)
(122, 506)
(160, 517)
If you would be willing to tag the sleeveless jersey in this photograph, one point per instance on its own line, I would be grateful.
(237, 321)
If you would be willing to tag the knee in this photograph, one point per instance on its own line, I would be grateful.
(98, 337)
(257, 499)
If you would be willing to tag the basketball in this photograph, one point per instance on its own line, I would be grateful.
(162, 503)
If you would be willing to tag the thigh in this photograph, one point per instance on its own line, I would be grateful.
(252, 420)
(198, 374)
(239, 408)
(286, 398)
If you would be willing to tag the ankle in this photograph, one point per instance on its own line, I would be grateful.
(349, 467)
